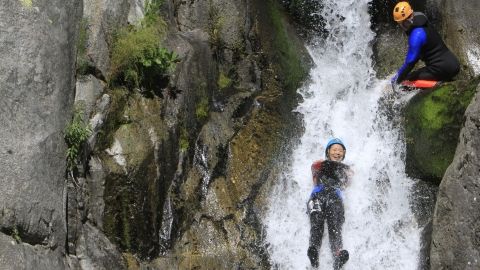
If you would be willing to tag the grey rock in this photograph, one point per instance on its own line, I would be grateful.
(37, 48)
(225, 17)
(136, 12)
(88, 90)
(456, 226)
(460, 20)
(102, 18)
(96, 188)
(20, 256)
(98, 119)
(95, 251)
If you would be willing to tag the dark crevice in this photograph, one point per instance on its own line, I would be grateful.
(21, 236)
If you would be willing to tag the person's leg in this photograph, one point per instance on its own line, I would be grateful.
(335, 220)
(317, 220)
(423, 73)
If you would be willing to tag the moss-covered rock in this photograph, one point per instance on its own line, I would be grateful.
(135, 185)
(433, 121)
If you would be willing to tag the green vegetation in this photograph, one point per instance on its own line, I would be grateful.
(223, 81)
(433, 123)
(138, 59)
(76, 133)
(183, 142)
(202, 109)
(16, 235)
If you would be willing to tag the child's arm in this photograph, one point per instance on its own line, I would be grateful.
(348, 176)
(315, 168)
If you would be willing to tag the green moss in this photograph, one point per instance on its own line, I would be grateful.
(183, 141)
(202, 109)
(27, 3)
(433, 123)
(291, 67)
(223, 81)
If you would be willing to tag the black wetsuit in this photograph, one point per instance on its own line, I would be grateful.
(325, 205)
(425, 43)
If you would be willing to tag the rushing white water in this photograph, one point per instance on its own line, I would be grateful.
(345, 100)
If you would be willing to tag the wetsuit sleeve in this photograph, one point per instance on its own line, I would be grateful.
(316, 166)
(416, 40)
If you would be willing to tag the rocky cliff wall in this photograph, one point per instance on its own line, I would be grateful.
(37, 50)
(180, 173)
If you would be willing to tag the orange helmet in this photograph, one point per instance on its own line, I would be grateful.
(402, 11)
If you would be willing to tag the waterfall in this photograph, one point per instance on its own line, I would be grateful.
(345, 100)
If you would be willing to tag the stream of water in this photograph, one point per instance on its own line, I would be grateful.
(345, 100)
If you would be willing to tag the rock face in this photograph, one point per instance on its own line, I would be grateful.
(101, 19)
(36, 90)
(456, 230)
(460, 22)
(180, 175)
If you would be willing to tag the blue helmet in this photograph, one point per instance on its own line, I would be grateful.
(332, 142)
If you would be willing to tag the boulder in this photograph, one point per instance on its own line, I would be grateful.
(456, 226)
(433, 120)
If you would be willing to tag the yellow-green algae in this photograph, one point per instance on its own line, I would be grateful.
(433, 123)
(27, 3)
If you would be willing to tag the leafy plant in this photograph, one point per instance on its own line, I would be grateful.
(138, 59)
(76, 133)
(16, 235)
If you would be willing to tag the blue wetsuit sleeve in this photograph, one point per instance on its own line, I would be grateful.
(416, 40)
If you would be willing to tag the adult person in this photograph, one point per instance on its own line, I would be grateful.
(330, 177)
(424, 43)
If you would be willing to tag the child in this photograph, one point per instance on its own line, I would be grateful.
(330, 176)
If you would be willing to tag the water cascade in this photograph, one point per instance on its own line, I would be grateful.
(345, 100)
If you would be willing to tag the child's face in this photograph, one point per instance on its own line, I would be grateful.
(336, 152)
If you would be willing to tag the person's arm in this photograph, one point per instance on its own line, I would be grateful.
(416, 40)
(315, 168)
(348, 177)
